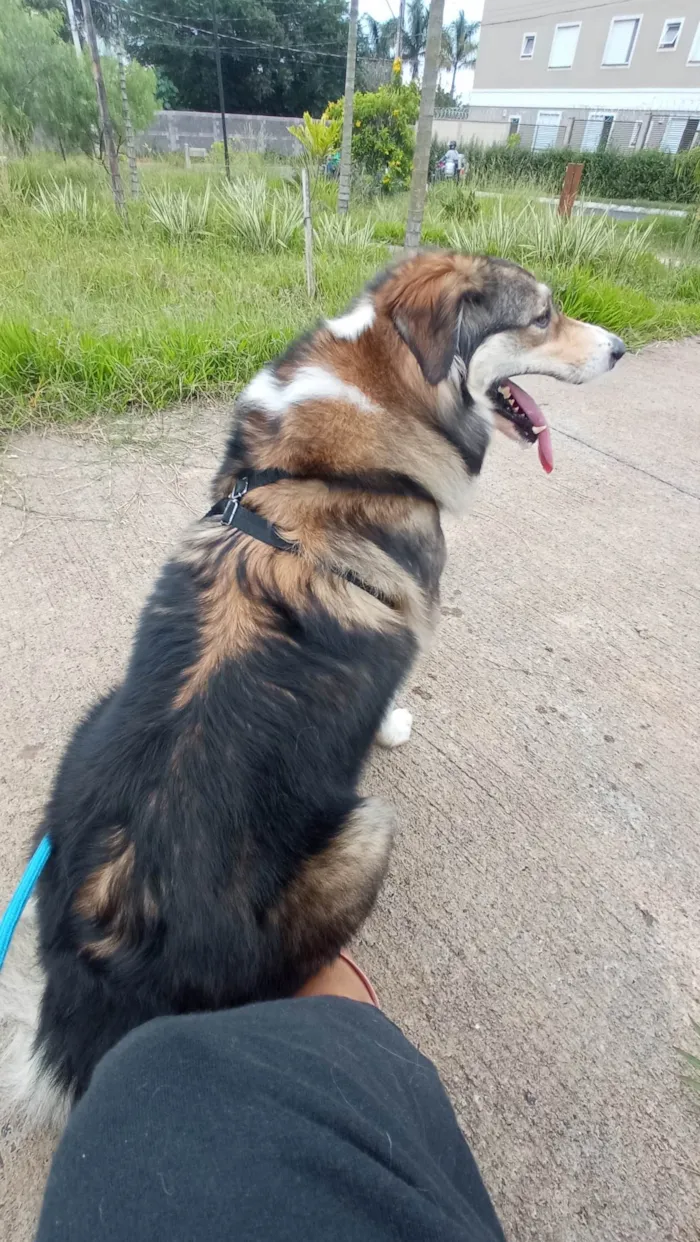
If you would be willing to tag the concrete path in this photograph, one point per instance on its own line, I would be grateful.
(539, 935)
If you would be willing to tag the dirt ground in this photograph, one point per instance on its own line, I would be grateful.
(539, 935)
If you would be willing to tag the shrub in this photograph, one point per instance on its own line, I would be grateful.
(179, 216)
(544, 240)
(383, 137)
(64, 203)
(650, 175)
(454, 203)
(318, 138)
(334, 231)
(258, 218)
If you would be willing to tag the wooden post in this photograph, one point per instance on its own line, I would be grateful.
(308, 234)
(569, 190)
(187, 155)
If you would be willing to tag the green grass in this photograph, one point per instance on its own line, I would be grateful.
(201, 284)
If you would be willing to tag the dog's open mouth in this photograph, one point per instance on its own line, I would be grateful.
(525, 417)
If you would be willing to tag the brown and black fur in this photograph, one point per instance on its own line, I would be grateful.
(209, 844)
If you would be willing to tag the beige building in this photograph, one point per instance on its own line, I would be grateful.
(624, 74)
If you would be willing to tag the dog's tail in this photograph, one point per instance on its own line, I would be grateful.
(29, 1095)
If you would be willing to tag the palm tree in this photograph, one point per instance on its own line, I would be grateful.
(415, 34)
(378, 38)
(460, 45)
(424, 130)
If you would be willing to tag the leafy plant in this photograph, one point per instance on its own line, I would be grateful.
(257, 218)
(383, 132)
(543, 239)
(454, 204)
(64, 203)
(179, 215)
(318, 138)
(334, 231)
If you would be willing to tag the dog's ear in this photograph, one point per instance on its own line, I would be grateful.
(428, 301)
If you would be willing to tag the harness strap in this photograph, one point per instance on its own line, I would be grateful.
(233, 513)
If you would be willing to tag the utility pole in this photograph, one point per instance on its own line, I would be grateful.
(424, 132)
(74, 29)
(220, 80)
(126, 110)
(103, 109)
(399, 30)
(346, 148)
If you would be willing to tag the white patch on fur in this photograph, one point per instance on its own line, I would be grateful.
(310, 383)
(395, 728)
(27, 1092)
(353, 323)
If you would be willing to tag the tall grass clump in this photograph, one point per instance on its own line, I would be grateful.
(331, 232)
(62, 203)
(257, 218)
(179, 215)
(542, 239)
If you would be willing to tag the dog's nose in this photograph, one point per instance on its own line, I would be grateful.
(617, 349)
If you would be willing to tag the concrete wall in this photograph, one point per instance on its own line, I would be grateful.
(171, 130)
(465, 130)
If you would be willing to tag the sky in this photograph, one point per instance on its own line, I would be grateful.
(381, 10)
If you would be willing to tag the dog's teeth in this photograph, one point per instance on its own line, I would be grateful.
(538, 430)
(506, 391)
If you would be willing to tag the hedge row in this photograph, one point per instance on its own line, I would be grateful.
(650, 175)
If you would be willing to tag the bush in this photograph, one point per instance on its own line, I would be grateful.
(454, 203)
(258, 218)
(383, 136)
(650, 175)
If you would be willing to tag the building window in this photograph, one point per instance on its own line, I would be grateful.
(694, 54)
(597, 131)
(680, 134)
(564, 46)
(546, 130)
(670, 34)
(636, 131)
(514, 127)
(528, 48)
(622, 37)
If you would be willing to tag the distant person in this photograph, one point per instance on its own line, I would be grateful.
(453, 163)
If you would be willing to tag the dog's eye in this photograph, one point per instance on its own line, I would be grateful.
(543, 320)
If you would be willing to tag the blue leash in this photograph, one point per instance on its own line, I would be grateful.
(21, 895)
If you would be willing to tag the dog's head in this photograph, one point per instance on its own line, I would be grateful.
(477, 321)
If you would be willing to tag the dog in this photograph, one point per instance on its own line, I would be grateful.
(209, 845)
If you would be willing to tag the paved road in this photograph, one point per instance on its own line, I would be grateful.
(539, 934)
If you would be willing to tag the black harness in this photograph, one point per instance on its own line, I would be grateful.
(233, 513)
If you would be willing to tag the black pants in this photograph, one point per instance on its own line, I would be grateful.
(293, 1121)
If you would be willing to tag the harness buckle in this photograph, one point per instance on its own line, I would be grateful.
(238, 491)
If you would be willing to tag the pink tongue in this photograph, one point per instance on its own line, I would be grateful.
(537, 418)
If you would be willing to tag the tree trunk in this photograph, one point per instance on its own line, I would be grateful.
(103, 108)
(424, 133)
(454, 79)
(126, 113)
(345, 172)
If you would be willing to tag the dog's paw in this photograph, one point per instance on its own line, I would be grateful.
(396, 727)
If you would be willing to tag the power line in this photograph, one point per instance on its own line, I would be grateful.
(196, 29)
(531, 17)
